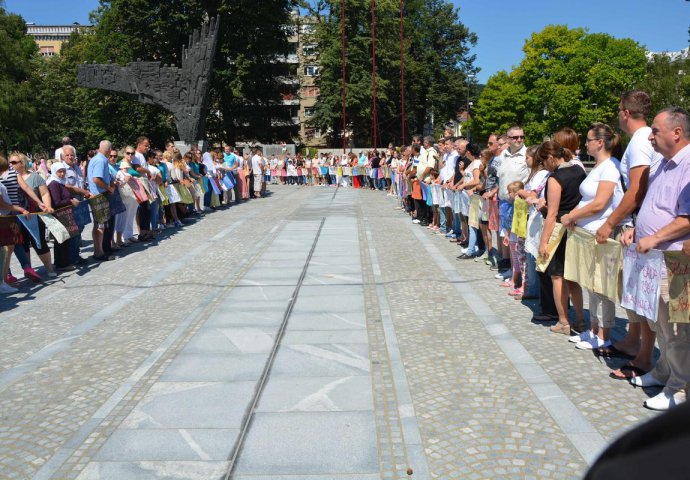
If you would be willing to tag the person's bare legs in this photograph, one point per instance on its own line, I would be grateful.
(560, 296)
(97, 236)
(47, 261)
(631, 343)
(576, 297)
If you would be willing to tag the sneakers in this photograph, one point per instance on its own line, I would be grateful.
(415, 221)
(664, 401)
(484, 256)
(593, 342)
(646, 380)
(4, 288)
(31, 274)
(10, 279)
(581, 337)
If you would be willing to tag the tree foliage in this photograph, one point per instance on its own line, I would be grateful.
(437, 61)
(17, 60)
(668, 82)
(41, 101)
(568, 77)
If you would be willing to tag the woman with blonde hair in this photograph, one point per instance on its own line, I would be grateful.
(40, 189)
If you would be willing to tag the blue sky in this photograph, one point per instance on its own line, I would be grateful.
(502, 26)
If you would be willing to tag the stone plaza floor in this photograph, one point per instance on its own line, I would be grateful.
(314, 334)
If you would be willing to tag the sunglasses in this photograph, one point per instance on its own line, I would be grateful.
(113, 156)
(517, 137)
(490, 143)
(15, 162)
(129, 153)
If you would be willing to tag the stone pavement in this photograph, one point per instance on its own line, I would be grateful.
(315, 334)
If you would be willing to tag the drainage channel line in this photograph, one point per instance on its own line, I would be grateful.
(200, 313)
(263, 379)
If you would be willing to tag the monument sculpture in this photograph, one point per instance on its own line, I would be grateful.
(181, 90)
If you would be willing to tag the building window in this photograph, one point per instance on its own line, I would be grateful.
(317, 133)
(307, 29)
(311, 71)
(311, 92)
(47, 51)
(309, 112)
(309, 50)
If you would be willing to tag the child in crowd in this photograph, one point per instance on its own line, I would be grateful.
(511, 240)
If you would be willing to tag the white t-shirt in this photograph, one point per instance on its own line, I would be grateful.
(513, 168)
(257, 163)
(536, 181)
(138, 159)
(468, 175)
(606, 171)
(639, 153)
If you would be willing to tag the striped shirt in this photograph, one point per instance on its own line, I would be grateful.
(9, 180)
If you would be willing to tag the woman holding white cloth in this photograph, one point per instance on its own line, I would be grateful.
(601, 192)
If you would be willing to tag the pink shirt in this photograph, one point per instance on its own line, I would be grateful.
(668, 197)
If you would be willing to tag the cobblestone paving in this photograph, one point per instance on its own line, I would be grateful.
(80, 353)
(40, 411)
(392, 453)
(478, 418)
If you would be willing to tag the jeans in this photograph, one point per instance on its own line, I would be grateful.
(457, 225)
(472, 246)
(155, 213)
(442, 219)
(531, 274)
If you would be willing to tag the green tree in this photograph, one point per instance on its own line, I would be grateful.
(667, 81)
(500, 105)
(245, 93)
(248, 85)
(570, 78)
(17, 58)
(437, 61)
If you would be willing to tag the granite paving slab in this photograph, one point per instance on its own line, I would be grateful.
(320, 443)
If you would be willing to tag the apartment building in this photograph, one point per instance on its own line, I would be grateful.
(50, 38)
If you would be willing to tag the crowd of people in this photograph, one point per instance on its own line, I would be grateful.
(153, 190)
(520, 210)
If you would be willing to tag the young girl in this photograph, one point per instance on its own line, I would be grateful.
(511, 240)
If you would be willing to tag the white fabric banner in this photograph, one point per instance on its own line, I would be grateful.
(641, 281)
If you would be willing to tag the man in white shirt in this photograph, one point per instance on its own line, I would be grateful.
(257, 172)
(638, 163)
(139, 164)
(446, 176)
(512, 168)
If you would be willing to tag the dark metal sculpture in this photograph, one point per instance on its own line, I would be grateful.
(183, 91)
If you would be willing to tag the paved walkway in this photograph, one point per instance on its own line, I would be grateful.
(315, 334)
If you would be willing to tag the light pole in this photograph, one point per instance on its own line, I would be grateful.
(596, 112)
(467, 105)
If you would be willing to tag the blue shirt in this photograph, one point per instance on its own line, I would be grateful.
(230, 159)
(98, 168)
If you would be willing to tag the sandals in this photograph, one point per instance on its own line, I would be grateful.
(634, 372)
(611, 352)
(561, 328)
(516, 293)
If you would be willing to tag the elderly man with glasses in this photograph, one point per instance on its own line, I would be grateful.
(513, 168)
